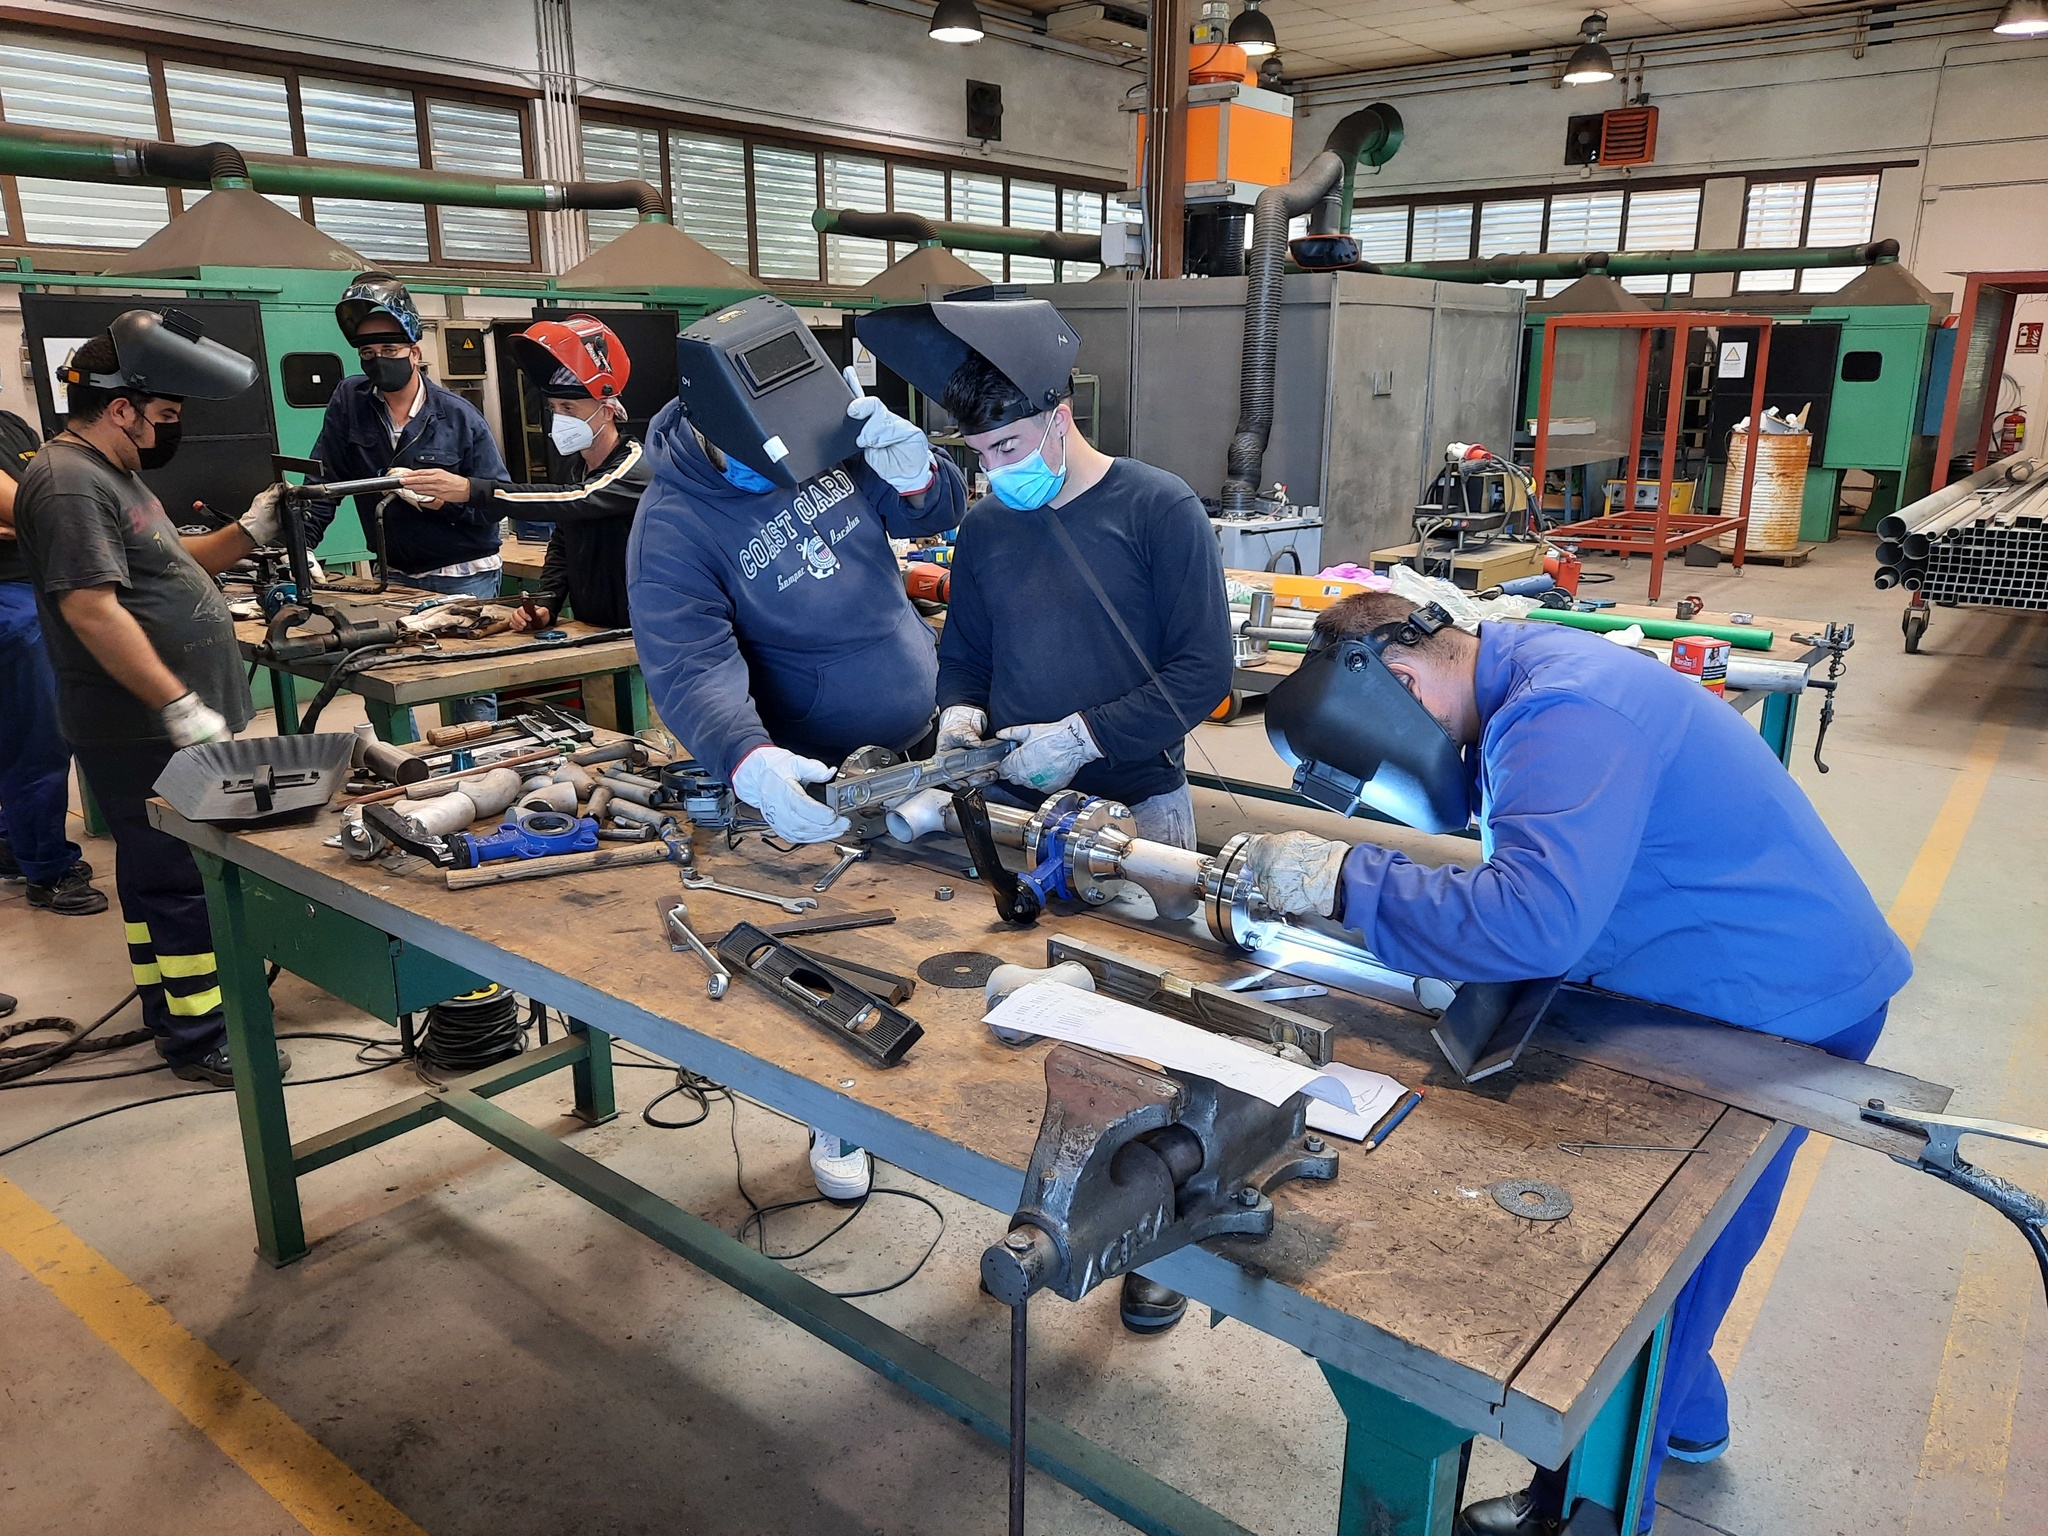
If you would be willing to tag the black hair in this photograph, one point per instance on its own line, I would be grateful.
(88, 402)
(980, 397)
(1357, 616)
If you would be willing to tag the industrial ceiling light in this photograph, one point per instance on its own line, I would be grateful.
(1253, 29)
(956, 21)
(2022, 18)
(1592, 63)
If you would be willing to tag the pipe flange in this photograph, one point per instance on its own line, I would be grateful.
(1531, 1198)
(1227, 892)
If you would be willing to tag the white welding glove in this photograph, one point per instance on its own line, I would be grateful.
(961, 725)
(1296, 871)
(772, 780)
(264, 517)
(189, 721)
(895, 449)
(1048, 756)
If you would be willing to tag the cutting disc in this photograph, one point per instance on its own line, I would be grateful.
(1532, 1198)
(962, 970)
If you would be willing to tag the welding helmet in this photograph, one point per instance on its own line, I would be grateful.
(377, 293)
(169, 356)
(1026, 340)
(579, 358)
(755, 382)
(1356, 737)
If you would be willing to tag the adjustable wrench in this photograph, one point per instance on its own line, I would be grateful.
(848, 857)
(697, 880)
(681, 936)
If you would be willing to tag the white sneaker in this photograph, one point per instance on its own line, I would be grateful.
(843, 1171)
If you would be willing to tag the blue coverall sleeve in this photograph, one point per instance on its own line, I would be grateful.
(965, 665)
(945, 500)
(1193, 661)
(1570, 790)
(690, 655)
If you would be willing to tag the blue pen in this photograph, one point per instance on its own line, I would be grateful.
(1393, 1119)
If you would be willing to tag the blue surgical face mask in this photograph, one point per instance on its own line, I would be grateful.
(1030, 483)
(741, 478)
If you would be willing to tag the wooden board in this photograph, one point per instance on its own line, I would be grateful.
(1406, 1249)
(524, 559)
(1476, 569)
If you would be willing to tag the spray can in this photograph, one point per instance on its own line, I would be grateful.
(1703, 660)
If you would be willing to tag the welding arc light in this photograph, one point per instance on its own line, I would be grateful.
(2022, 18)
(1592, 63)
(1253, 31)
(956, 21)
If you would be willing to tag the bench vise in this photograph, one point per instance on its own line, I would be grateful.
(1133, 1163)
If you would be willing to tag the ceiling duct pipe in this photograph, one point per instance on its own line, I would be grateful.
(1319, 187)
(1003, 239)
(1560, 264)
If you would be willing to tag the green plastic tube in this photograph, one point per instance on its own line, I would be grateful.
(1749, 638)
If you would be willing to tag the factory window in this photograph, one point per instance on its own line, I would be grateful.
(1033, 205)
(1663, 219)
(1442, 232)
(88, 89)
(1081, 212)
(708, 190)
(251, 112)
(855, 181)
(1511, 227)
(1382, 233)
(615, 152)
(978, 199)
(484, 141)
(1818, 210)
(785, 197)
(1581, 221)
(375, 124)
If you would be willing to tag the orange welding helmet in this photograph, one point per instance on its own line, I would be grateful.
(580, 358)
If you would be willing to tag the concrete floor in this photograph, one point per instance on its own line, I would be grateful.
(492, 1356)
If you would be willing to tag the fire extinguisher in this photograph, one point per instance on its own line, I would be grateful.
(2012, 431)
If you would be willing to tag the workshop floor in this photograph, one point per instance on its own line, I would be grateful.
(486, 1354)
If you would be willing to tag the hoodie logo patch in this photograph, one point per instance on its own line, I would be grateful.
(780, 531)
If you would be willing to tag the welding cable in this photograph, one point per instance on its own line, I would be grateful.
(467, 1034)
(20, 1061)
(353, 662)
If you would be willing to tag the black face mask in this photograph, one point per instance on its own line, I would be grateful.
(388, 374)
(159, 452)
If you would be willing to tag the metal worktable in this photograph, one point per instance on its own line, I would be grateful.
(1434, 1314)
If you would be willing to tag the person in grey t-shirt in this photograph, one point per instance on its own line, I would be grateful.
(141, 640)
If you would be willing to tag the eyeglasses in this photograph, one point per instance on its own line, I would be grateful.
(385, 349)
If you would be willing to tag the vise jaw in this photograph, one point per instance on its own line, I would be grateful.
(1132, 1164)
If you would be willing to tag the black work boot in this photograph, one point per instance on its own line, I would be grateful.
(215, 1068)
(1146, 1306)
(1512, 1514)
(71, 894)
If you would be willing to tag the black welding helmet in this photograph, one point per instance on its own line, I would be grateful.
(1356, 736)
(370, 294)
(755, 382)
(169, 356)
(1026, 340)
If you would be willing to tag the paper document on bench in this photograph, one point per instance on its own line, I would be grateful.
(1107, 1024)
(1372, 1095)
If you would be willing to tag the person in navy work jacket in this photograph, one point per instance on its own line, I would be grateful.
(1637, 836)
(392, 416)
(1088, 620)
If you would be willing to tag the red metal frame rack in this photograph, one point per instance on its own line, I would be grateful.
(1658, 533)
(1983, 332)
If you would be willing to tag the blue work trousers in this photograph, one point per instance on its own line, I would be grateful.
(35, 763)
(482, 706)
(1694, 1402)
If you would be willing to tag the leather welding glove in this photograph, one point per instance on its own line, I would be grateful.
(895, 449)
(1296, 872)
(772, 780)
(189, 720)
(962, 725)
(264, 517)
(1048, 756)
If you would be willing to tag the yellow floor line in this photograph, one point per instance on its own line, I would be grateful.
(1910, 910)
(315, 1487)
(1960, 1485)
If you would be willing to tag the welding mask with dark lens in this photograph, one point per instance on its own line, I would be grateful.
(756, 383)
(1356, 737)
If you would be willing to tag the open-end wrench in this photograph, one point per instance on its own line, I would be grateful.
(697, 880)
(848, 857)
(681, 936)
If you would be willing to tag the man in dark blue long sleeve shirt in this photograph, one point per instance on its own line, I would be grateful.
(1639, 836)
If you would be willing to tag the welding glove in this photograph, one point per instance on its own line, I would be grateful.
(189, 721)
(1048, 756)
(264, 517)
(895, 450)
(772, 780)
(961, 725)
(1295, 871)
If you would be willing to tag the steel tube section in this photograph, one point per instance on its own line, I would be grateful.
(1898, 524)
(1006, 239)
(1503, 269)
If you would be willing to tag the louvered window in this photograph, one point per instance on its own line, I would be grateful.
(785, 197)
(1512, 227)
(615, 152)
(1841, 210)
(88, 89)
(251, 112)
(1033, 205)
(1774, 215)
(1382, 232)
(916, 189)
(1581, 221)
(978, 199)
(1443, 232)
(854, 181)
(377, 124)
(708, 189)
(1080, 211)
(1667, 219)
(485, 141)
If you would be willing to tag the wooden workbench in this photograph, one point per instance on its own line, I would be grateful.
(1435, 1314)
(523, 560)
(614, 695)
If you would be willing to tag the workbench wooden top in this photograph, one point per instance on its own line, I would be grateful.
(524, 558)
(452, 671)
(1403, 1270)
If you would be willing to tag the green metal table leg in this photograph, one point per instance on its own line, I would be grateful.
(592, 1076)
(1402, 1464)
(1780, 721)
(392, 722)
(89, 809)
(630, 690)
(252, 1048)
(284, 701)
(1612, 1461)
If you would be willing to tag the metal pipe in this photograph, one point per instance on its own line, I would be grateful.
(1887, 577)
(1006, 239)
(1896, 525)
(1557, 264)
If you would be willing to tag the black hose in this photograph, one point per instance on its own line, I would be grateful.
(212, 163)
(644, 198)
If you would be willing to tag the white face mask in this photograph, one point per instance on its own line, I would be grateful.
(571, 434)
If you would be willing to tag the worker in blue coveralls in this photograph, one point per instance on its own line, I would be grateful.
(1088, 620)
(771, 620)
(1601, 782)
